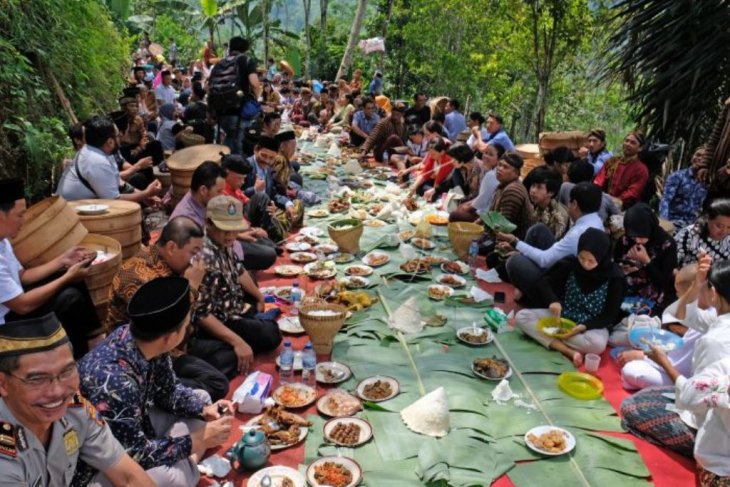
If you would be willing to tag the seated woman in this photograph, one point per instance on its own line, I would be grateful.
(435, 170)
(168, 117)
(652, 413)
(586, 290)
(467, 174)
(710, 233)
(343, 112)
(271, 97)
(624, 177)
(469, 211)
(648, 257)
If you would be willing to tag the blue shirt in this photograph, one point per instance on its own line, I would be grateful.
(500, 137)
(376, 86)
(683, 198)
(598, 161)
(363, 123)
(455, 123)
(565, 247)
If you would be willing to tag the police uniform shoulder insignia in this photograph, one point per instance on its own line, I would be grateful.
(77, 400)
(8, 439)
(22, 439)
(71, 442)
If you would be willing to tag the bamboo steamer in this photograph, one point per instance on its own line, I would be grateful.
(99, 279)
(50, 228)
(123, 223)
(573, 140)
(183, 163)
(530, 153)
(164, 178)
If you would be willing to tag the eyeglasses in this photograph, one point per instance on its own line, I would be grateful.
(41, 381)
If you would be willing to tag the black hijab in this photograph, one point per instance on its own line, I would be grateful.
(641, 221)
(598, 243)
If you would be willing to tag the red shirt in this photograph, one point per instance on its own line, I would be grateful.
(623, 180)
(442, 172)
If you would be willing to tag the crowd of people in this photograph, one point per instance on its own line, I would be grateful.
(186, 313)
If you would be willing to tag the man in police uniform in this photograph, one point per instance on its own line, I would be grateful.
(45, 425)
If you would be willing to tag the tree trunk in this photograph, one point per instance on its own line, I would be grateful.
(540, 101)
(323, 6)
(352, 41)
(388, 15)
(265, 20)
(307, 38)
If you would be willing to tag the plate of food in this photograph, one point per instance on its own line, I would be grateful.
(410, 204)
(376, 259)
(291, 325)
(643, 337)
(359, 214)
(338, 205)
(349, 432)
(438, 219)
(358, 270)
(310, 239)
(375, 209)
(455, 267)
(374, 222)
(423, 243)
(473, 335)
(334, 472)
(491, 368)
(92, 209)
(406, 235)
(434, 259)
(326, 248)
(550, 440)
(338, 402)
(297, 246)
(295, 395)
(303, 257)
(439, 292)
(332, 372)
(553, 327)
(416, 266)
(378, 388)
(319, 213)
(288, 270)
(451, 280)
(355, 282)
(320, 270)
(344, 258)
(282, 428)
(284, 292)
(280, 476)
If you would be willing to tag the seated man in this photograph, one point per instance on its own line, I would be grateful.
(454, 122)
(164, 425)
(624, 177)
(390, 132)
(134, 141)
(543, 195)
(579, 172)
(595, 152)
(685, 191)
(363, 122)
(495, 135)
(45, 428)
(540, 251)
(56, 286)
(222, 311)
(174, 254)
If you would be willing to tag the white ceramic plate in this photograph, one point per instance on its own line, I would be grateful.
(394, 387)
(355, 282)
(341, 372)
(303, 257)
(291, 325)
(297, 361)
(446, 290)
(464, 268)
(92, 209)
(348, 463)
(506, 376)
(315, 273)
(319, 213)
(469, 329)
(344, 258)
(312, 231)
(366, 431)
(423, 243)
(277, 474)
(288, 270)
(353, 404)
(451, 280)
(307, 395)
(358, 270)
(298, 246)
(326, 248)
(374, 222)
(253, 422)
(284, 292)
(376, 259)
(540, 430)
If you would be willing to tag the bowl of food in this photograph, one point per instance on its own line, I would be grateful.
(288, 270)
(438, 219)
(415, 266)
(320, 270)
(298, 246)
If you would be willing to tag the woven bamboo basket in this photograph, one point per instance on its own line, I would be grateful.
(461, 234)
(322, 329)
(123, 222)
(573, 140)
(99, 279)
(183, 163)
(347, 240)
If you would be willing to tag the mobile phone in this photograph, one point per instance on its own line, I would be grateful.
(499, 297)
(627, 262)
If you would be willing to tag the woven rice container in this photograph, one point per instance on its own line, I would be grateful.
(322, 329)
(573, 140)
(122, 222)
(461, 235)
(183, 163)
(347, 240)
(99, 279)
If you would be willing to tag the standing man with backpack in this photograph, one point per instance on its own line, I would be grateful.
(233, 93)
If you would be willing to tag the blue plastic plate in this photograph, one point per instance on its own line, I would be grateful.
(641, 338)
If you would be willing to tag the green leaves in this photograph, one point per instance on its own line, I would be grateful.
(209, 7)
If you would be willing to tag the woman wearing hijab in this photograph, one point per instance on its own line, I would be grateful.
(586, 290)
(165, 133)
(648, 257)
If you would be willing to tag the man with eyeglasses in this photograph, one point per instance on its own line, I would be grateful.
(45, 425)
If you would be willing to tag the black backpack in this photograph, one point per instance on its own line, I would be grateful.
(223, 87)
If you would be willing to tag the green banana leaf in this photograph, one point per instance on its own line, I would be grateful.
(497, 222)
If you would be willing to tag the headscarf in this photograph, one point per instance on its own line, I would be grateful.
(598, 243)
(641, 221)
(383, 102)
(167, 111)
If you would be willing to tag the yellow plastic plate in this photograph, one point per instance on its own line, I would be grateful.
(564, 324)
(580, 385)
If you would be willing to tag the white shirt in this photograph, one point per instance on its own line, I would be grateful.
(473, 140)
(10, 285)
(165, 93)
(565, 247)
(706, 394)
(97, 168)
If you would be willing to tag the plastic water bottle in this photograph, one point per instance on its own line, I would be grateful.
(296, 299)
(473, 254)
(309, 365)
(286, 364)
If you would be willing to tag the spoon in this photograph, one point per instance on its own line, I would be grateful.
(266, 481)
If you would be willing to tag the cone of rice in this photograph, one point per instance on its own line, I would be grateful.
(429, 415)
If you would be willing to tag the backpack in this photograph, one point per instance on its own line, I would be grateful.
(223, 87)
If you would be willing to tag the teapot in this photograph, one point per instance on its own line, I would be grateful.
(251, 452)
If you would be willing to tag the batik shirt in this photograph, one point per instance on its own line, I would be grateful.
(555, 216)
(220, 294)
(690, 241)
(683, 198)
(124, 386)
